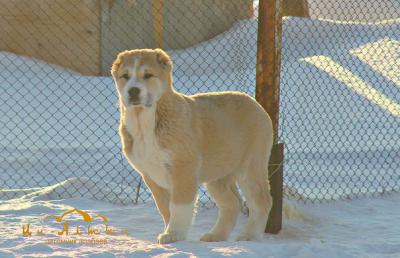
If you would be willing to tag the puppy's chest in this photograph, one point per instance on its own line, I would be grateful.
(149, 159)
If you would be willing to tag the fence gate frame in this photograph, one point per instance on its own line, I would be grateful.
(269, 43)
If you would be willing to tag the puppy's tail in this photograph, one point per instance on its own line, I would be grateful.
(291, 211)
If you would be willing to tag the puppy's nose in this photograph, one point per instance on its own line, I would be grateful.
(134, 93)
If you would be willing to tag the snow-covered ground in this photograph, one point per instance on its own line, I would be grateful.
(358, 228)
(340, 113)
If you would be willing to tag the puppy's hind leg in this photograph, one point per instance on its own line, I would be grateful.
(224, 192)
(255, 187)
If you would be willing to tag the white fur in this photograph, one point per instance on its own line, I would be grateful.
(132, 82)
(178, 227)
(146, 97)
(147, 156)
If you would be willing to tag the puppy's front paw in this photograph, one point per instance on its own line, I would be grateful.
(170, 237)
(210, 237)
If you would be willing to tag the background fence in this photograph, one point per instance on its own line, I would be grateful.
(341, 100)
(339, 82)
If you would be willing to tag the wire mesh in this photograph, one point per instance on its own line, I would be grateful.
(59, 109)
(341, 100)
(58, 103)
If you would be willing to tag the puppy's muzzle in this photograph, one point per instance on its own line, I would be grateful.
(134, 95)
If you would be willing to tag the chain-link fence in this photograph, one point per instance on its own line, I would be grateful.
(340, 85)
(59, 115)
(59, 109)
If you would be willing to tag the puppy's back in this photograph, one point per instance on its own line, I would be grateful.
(230, 105)
(232, 119)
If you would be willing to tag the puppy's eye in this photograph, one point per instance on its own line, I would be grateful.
(148, 76)
(125, 76)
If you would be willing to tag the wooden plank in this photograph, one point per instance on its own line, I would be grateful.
(189, 22)
(61, 32)
(297, 8)
(180, 24)
(267, 94)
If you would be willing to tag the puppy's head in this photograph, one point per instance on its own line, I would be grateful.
(142, 76)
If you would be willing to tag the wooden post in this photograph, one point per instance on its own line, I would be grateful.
(269, 43)
(158, 19)
(275, 169)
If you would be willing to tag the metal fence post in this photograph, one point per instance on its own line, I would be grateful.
(267, 94)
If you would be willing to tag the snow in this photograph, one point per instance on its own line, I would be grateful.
(339, 81)
(359, 228)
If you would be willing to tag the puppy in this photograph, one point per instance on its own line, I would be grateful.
(177, 142)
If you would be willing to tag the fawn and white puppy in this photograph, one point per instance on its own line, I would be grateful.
(177, 142)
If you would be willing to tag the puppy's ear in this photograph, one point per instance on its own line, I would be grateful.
(115, 67)
(163, 59)
(117, 62)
